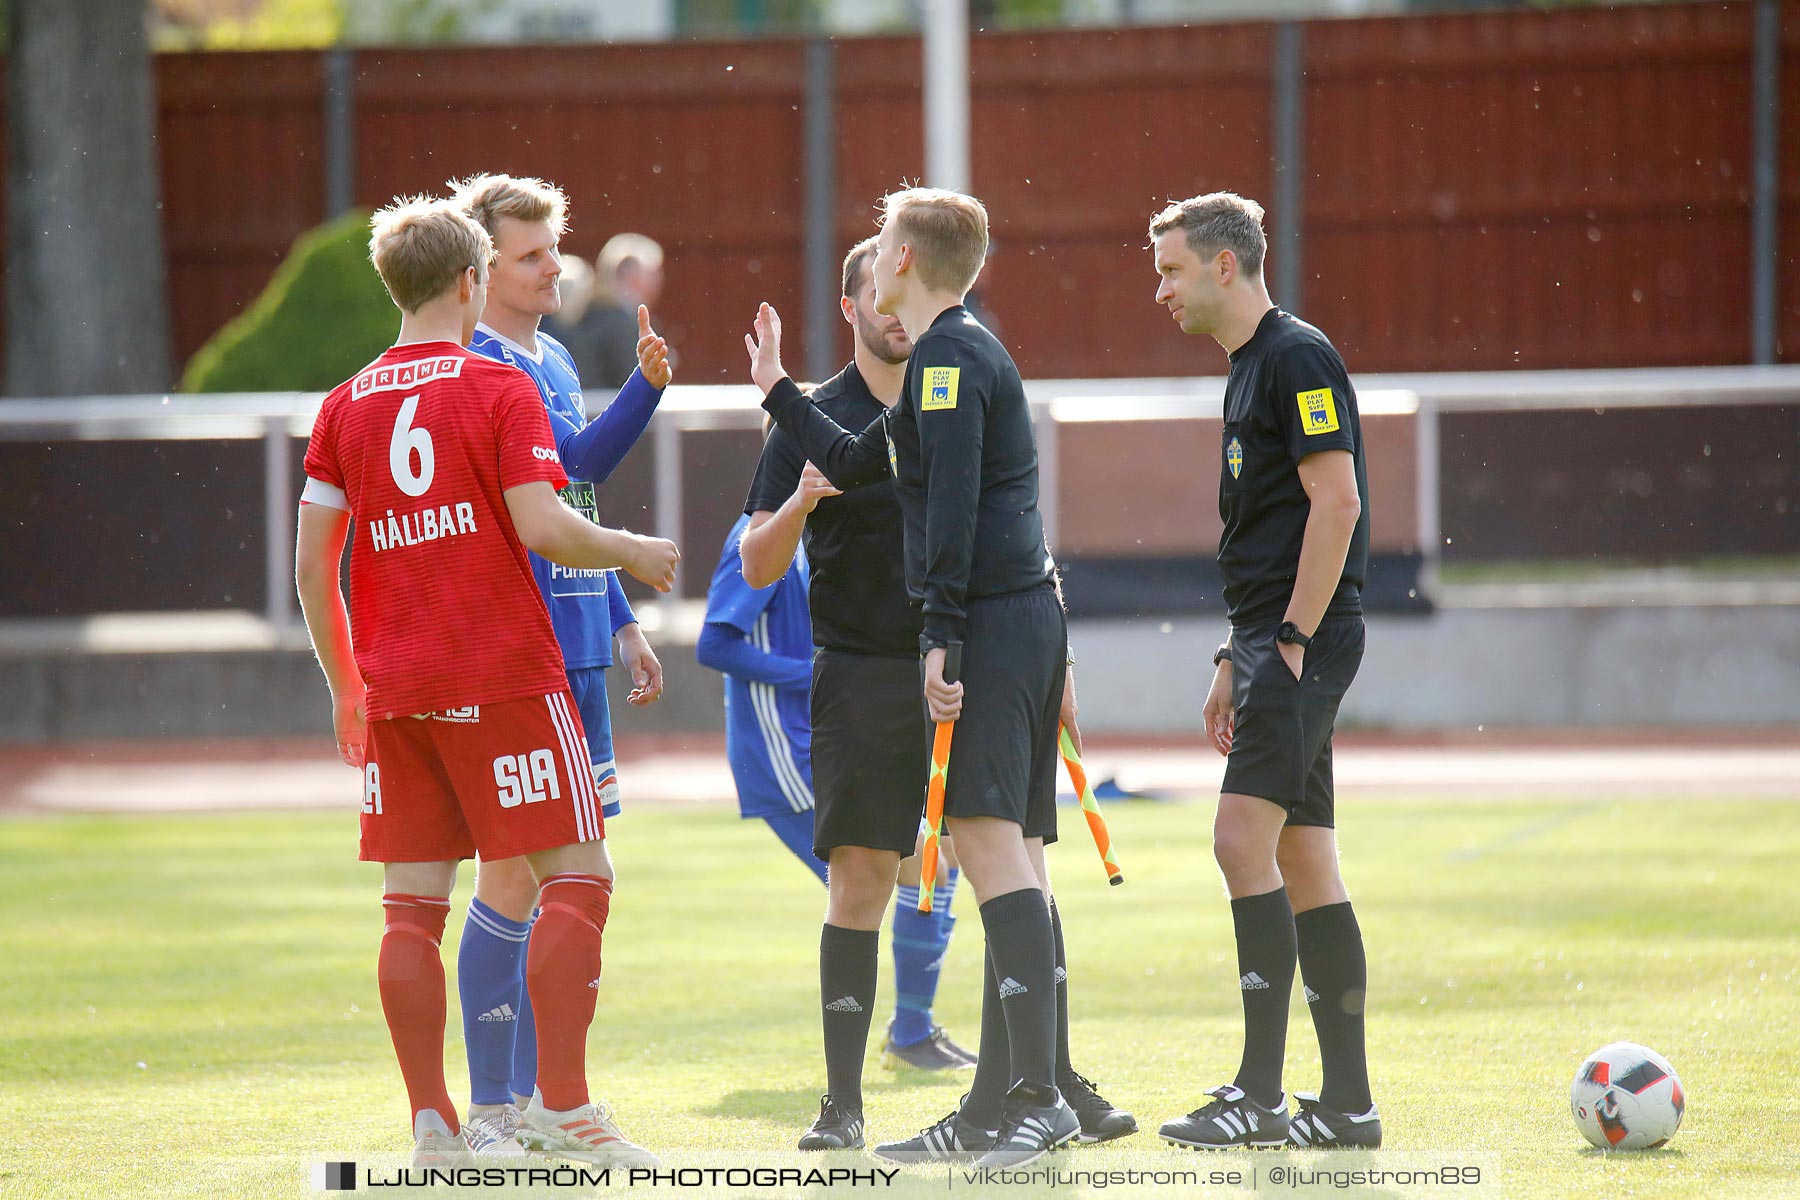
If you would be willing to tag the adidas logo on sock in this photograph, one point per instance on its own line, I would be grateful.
(1062, 976)
(1012, 987)
(1312, 997)
(503, 1013)
(1252, 982)
(844, 1004)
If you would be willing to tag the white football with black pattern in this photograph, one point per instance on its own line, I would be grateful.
(1627, 1097)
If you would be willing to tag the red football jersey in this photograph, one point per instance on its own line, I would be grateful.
(444, 610)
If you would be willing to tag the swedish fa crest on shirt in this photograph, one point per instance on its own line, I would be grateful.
(940, 388)
(1234, 457)
(1318, 413)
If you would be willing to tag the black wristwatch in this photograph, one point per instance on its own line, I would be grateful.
(1289, 635)
(1222, 654)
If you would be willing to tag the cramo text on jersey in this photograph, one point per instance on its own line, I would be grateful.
(425, 525)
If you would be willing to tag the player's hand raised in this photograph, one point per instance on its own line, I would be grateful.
(653, 353)
(765, 348)
(813, 488)
(654, 562)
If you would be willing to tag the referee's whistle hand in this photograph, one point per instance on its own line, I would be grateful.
(943, 700)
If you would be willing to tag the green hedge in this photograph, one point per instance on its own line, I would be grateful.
(323, 316)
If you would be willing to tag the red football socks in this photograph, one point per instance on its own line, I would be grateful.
(412, 997)
(563, 975)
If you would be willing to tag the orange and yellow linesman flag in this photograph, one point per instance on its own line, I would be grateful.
(1090, 806)
(934, 787)
(934, 811)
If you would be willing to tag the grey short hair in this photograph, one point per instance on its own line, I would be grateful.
(1218, 221)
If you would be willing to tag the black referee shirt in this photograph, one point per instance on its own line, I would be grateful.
(1288, 396)
(964, 461)
(855, 543)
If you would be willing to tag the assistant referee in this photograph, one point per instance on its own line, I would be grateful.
(1293, 493)
(964, 462)
(871, 735)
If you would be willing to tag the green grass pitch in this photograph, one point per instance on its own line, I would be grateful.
(189, 1002)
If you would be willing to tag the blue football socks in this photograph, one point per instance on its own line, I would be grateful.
(490, 977)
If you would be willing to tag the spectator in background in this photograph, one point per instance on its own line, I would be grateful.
(576, 287)
(629, 272)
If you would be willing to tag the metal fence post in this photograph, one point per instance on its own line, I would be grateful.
(339, 66)
(1765, 129)
(946, 50)
(821, 210)
(665, 452)
(1049, 449)
(1288, 163)
(278, 524)
(1429, 497)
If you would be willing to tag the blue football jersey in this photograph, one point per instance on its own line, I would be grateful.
(586, 607)
(768, 729)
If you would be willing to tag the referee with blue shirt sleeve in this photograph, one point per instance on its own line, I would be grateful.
(1293, 494)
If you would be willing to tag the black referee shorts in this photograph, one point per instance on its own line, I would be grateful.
(1003, 757)
(871, 752)
(1281, 743)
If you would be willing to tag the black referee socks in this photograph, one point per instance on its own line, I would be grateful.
(1266, 951)
(1023, 953)
(1336, 975)
(1064, 1064)
(984, 1106)
(847, 968)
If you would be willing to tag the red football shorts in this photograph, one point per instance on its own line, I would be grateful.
(503, 779)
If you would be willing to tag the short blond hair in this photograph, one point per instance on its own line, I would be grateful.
(489, 198)
(421, 247)
(1218, 221)
(948, 232)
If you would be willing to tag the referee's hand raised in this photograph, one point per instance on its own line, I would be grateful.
(765, 348)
